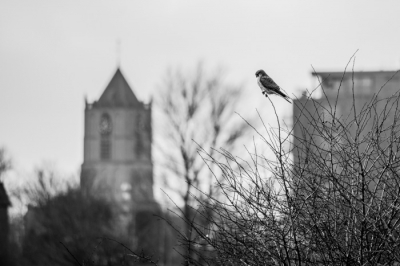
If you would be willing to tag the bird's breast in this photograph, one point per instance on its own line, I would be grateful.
(259, 83)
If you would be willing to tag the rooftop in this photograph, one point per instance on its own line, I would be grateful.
(335, 74)
(118, 93)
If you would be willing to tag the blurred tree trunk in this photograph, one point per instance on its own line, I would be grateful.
(197, 110)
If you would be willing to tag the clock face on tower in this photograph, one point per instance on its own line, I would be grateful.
(105, 124)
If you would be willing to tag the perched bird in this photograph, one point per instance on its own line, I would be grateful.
(268, 86)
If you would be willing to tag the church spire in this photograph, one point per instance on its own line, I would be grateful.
(118, 93)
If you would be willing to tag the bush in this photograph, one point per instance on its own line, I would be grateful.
(69, 227)
(330, 194)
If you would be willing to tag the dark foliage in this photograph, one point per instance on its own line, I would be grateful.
(68, 228)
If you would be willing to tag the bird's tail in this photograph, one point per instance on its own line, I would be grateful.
(287, 99)
(284, 96)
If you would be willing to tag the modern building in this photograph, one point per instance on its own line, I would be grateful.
(336, 92)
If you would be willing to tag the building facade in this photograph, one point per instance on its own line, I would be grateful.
(117, 161)
(337, 93)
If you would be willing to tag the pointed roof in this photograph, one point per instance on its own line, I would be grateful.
(118, 93)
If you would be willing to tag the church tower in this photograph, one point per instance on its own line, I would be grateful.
(117, 148)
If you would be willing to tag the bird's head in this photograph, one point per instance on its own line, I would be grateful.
(260, 73)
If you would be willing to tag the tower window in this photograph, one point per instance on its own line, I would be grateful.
(105, 147)
(138, 135)
(105, 141)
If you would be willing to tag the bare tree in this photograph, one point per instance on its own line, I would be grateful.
(5, 163)
(4, 204)
(65, 226)
(333, 198)
(198, 110)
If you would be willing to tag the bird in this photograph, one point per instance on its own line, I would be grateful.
(268, 86)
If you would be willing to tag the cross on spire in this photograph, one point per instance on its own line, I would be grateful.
(118, 52)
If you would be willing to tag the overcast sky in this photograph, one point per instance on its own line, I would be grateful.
(53, 53)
